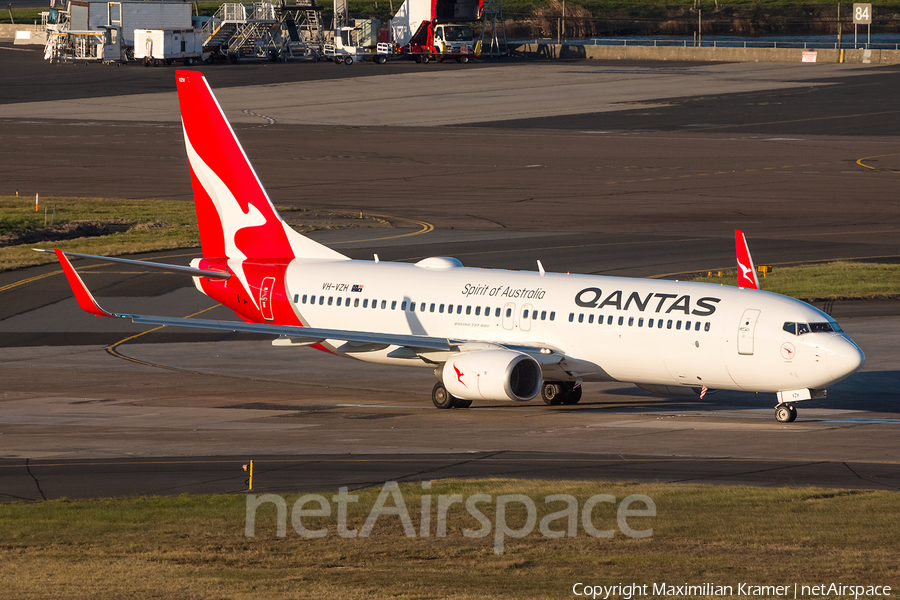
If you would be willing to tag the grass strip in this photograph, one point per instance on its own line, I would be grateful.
(195, 547)
(111, 227)
(132, 225)
(840, 280)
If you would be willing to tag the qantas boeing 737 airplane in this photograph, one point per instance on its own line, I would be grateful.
(488, 334)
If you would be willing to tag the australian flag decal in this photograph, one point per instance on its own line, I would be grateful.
(356, 288)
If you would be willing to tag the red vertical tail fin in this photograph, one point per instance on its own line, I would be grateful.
(747, 277)
(237, 220)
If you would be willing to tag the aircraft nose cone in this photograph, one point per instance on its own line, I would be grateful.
(844, 357)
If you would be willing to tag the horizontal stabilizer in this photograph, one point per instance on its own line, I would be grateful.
(150, 266)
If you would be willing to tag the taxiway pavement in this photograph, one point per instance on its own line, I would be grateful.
(599, 167)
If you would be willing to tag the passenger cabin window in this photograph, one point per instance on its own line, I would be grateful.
(422, 307)
(394, 305)
(431, 308)
(468, 310)
(609, 320)
(543, 315)
(552, 315)
(590, 318)
(296, 298)
(459, 309)
(630, 321)
(706, 327)
(581, 318)
(321, 300)
(383, 304)
(312, 299)
(339, 300)
(477, 311)
(403, 305)
(330, 299)
(571, 316)
(650, 323)
(621, 320)
(356, 303)
(304, 299)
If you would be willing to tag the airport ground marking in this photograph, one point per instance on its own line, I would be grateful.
(426, 228)
(862, 164)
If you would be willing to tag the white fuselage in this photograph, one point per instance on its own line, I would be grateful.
(643, 331)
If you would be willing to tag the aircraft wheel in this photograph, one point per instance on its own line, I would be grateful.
(460, 403)
(572, 396)
(785, 413)
(348, 61)
(441, 397)
(552, 393)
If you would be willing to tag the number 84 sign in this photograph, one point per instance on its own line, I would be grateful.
(862, 14)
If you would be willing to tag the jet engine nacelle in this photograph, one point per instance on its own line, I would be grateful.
(492, 375)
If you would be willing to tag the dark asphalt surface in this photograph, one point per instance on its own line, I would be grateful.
(49, 479)
(658, 195)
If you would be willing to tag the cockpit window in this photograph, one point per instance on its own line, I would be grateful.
(801, 328)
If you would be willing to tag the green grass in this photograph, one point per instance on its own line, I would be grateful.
(151, 225)
(837, 280)
(146, 226)
(194, 546)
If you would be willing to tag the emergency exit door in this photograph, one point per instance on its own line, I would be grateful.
(746, 331)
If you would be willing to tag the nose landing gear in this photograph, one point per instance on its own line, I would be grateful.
(785, 413)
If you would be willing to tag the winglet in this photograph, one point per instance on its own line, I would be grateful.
(747, 277)
(82, 294)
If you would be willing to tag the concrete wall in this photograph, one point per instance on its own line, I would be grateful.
(8, 32)
(679, 53)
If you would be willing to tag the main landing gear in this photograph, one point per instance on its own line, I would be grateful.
(442, 398)
(785, 413)
(560, 392)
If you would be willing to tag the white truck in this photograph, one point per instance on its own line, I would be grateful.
(159, 46)
(425, 30)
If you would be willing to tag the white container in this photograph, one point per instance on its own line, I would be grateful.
(168, 44)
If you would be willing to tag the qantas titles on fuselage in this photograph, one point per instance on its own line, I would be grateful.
(591, 297)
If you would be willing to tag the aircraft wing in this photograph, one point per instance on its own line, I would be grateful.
(426, 347)
(303, 335)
